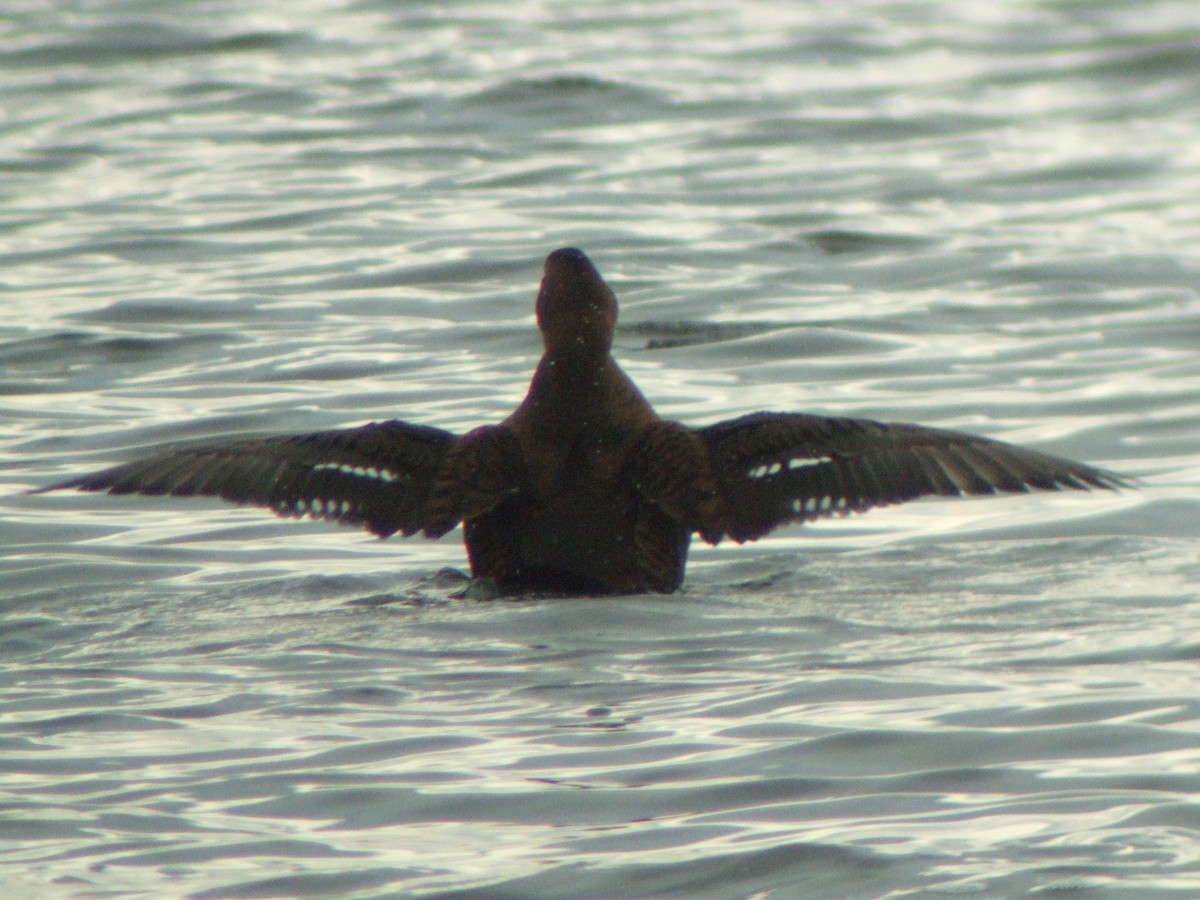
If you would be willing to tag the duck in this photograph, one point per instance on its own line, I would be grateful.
(584, 489)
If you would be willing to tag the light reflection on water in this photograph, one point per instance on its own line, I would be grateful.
(965, 215)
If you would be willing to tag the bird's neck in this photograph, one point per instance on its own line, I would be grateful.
(571, 391)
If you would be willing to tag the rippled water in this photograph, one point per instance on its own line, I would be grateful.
(246, 218)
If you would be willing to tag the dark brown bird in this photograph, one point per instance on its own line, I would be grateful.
(584, 489)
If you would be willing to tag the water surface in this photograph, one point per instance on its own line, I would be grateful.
(242, 219)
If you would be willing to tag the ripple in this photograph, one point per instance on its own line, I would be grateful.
(261, 222)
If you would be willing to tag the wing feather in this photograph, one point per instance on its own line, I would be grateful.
(774, 468)
(378, 475)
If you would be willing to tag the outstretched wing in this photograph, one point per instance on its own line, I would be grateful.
(774, 468)
(378, 475)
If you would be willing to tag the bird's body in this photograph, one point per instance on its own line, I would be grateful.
(584, 489)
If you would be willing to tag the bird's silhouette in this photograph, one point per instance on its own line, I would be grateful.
(584, 488)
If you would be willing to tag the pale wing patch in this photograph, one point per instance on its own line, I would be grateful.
(816, 506)
(372, 473)
(766, 470)
(318, 508)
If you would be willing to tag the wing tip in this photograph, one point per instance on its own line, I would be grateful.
(80, 483)
(1090, 479)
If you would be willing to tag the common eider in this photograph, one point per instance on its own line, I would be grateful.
(584, 488)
